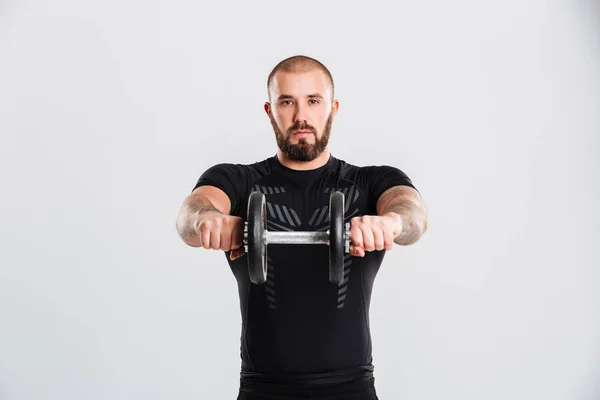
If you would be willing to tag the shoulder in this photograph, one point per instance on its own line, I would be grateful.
(375, 179)
(239, 169)
(370, 172)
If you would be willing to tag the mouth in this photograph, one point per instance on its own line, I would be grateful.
(302, 133)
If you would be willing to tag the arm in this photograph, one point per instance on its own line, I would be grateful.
(204, 199)
(404, 204)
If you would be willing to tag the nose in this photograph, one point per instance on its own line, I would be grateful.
(300, 117)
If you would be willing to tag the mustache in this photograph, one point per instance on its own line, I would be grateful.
(304, 127)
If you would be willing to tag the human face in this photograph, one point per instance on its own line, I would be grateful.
(302, 113)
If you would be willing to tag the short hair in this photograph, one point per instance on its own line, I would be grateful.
(299, 64)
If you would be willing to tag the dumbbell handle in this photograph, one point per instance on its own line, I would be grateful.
(297, 237)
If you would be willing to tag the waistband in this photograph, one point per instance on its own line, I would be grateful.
(354, 374)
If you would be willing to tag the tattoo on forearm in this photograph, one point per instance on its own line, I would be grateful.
(192, 210)
(414, 221)
(411, 215)
(202, 205)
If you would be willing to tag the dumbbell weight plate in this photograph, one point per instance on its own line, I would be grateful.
(257, 247)
(336, 237)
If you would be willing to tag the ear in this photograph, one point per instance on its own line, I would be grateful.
(267, 107)
(335, 106)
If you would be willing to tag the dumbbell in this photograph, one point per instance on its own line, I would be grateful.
(257, 238)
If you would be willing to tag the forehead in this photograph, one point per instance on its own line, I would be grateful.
(300, 83)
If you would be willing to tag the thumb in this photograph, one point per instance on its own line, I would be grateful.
(357, 251)
(236, 253)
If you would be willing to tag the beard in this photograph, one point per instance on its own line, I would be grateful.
(302, 151)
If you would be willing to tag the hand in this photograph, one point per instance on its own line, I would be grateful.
(221, 232)
(373, 232)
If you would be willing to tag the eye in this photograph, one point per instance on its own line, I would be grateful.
(313, 101)
(285, 102)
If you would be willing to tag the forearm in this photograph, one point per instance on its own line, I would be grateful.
(189, 217)
(412, 220)
(405, 206)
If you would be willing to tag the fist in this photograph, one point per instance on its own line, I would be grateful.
(222, 232)
(373, 232)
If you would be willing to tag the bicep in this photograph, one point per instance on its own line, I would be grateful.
(218, 198)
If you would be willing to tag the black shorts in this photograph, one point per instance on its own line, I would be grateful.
(360, 389)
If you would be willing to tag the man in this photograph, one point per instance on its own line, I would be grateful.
(303, 336)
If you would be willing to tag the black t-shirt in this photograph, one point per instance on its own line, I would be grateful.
(298, 326)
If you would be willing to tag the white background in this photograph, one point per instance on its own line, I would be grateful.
(111, 110)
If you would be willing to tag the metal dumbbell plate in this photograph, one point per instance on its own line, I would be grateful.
(337, 238)
(255, 238)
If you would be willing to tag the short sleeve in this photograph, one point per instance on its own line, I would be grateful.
(383, 177)
(230, 178)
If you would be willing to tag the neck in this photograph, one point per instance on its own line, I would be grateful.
(304, 165)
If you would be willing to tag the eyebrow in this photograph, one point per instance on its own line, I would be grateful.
(288, 96)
